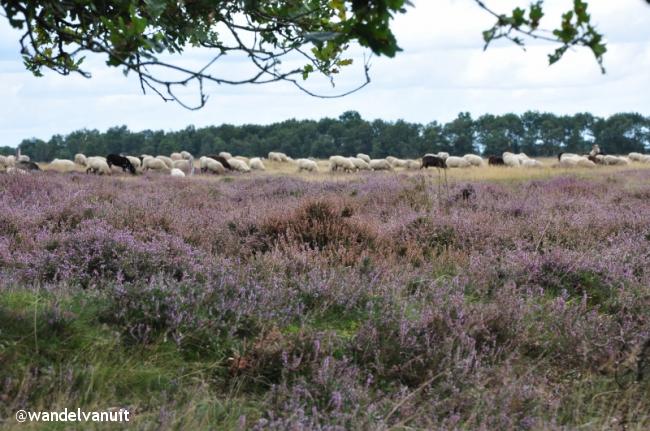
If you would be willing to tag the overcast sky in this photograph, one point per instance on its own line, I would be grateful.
(442, 70)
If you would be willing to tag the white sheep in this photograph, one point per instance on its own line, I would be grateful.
(413, 164)
(97, 166)
(3, 161)
(457, 162)
(175, 172)
(442, 154)
(23, 158)
(569, 160)
(238, 165)
(637, 157)
(395, 162)
(183, 165)
(186, 155)
(226, 155)
(364, 157)
(167, 161)
(153, 163)
(176, 156)
(62, 165)
(380, 165)
(80, 159)
(341, 162)
(211, 165)
(473, 159)
(134, 161)
(307, 165)
(360, 164)
(278, 157)
(256, 164)
(243, 159)
(614, 160)
(12, 170)
(511, 159)
(531, 163)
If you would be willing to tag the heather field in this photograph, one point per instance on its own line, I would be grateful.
(511, 300)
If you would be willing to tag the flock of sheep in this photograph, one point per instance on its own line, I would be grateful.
(182, 163)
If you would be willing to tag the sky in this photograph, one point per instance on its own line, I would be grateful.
(442, 70)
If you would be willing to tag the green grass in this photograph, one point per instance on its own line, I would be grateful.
(56, 354)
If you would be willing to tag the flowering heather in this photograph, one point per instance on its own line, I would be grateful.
(376, 302)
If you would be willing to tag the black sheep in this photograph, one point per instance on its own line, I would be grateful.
(496, 161)
(433, 161)
(121, 161)
(221, 160)
(27, 166)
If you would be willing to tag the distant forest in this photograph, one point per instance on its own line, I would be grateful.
(534, 133)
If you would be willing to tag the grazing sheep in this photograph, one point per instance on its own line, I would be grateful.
(225, 154)
(363, 157)
(175, 172)
(569, 160)
(134, 161)
(167, 161)
(221, 159)
(395, 162)
(443, 155)
(27, 166)
(11, 160)
(614, 160)
(176, 156)
(23, 158)
(496, 161)
(3, 161)
(307, 165)
(645, 159)
(473, 159)
(380, 165)
(98, 166)
(153, 163)
(531, 163)
(511, 159)
(186, 155)
(243, 159)
(186, 165)
(637, 157)
(238, 165)
(121, 161)
(430, 160)
(341, 162)
(360, 164)
(256, 164)
(278, 157)
(62, 165)
(412, 164)
(457, 162)
(211, 165)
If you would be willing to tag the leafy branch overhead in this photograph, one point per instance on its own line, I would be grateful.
(284, 40)
(575, 30)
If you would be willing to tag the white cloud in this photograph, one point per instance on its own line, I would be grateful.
(443, 70)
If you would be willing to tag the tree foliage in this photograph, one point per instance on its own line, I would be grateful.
(139, 36)
(535, 133)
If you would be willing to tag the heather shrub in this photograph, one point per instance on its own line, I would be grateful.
(95, 252)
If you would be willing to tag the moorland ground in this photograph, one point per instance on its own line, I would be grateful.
(509, 299)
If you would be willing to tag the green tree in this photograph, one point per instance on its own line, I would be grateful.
(460, 134)
(623, 133)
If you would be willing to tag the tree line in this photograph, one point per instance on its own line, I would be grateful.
(534, 133)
